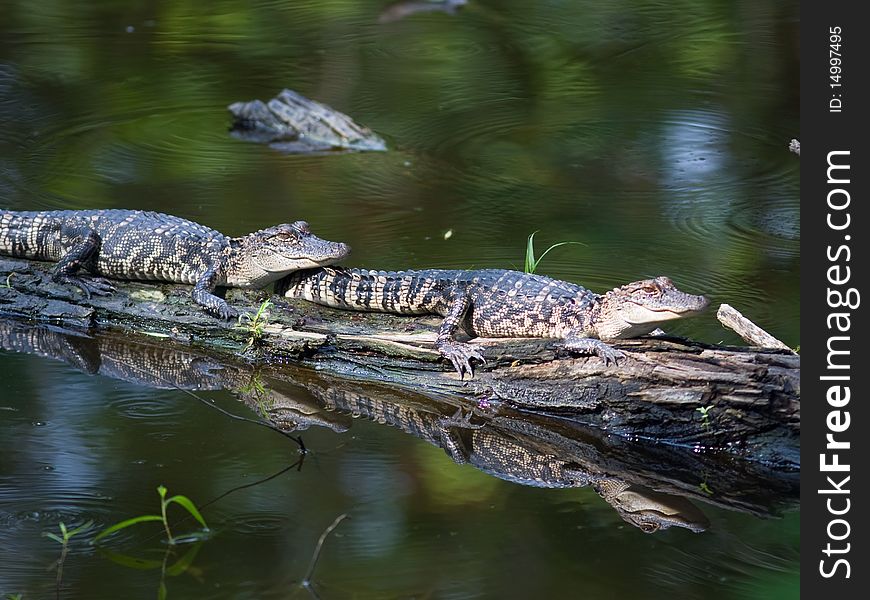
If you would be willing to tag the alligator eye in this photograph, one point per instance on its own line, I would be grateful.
(285, 236)
(651, 289)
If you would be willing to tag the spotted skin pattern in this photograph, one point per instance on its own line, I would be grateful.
(132, 244)
(500, 303)
(518, 458)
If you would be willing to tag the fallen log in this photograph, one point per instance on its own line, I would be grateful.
(669, 390)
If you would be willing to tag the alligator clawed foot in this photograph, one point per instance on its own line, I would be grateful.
(460, 355)
(610, 355)
(92, 286)
(607, 353)
(459, 419)
(226, 312)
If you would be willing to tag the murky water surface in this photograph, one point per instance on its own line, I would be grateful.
(655, 134)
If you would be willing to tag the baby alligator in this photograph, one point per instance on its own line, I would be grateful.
(500, 303)
(133, 244)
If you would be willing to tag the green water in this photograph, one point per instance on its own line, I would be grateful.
(656, 134)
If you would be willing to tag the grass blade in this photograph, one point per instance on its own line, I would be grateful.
(52, 536)
(550, 248)
(531, 264)
(190, 507)
(125, 524)
(83, 527)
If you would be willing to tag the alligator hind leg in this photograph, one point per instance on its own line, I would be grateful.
(84, 245)
(203, 294)
(576, 342)
(460, 355)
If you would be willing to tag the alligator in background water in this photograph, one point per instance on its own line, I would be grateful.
(500, 303)
(134, 244)
(294, 124)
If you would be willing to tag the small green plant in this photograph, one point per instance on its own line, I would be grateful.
(182, 501)
(255, 325)
(705, 415)
(705, 488)
(63, 539)
(531, 263)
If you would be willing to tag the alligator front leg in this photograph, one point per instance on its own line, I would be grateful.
(450, 435)
(577, 342)
(458, 353)
(203, 294)
(84, 244)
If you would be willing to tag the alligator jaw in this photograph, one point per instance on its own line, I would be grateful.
(638, 308)
(267, 255)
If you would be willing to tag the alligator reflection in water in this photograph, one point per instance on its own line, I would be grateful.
(513, 457)
(650, 486)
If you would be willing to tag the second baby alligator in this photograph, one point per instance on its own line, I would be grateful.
(501, 303)
(134, 244)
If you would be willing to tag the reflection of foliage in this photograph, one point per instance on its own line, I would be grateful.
(256, 390)
(450, 486)
(184, 564)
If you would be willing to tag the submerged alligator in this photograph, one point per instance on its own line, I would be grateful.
(292, 123)
(500, 303)
(134, 244)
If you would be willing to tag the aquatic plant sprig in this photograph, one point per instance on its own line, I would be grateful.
(705, 415)
(255, 325)
(182, 501)
(531, 263)
(63, 539)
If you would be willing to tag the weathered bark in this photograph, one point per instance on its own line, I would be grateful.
(666, 389)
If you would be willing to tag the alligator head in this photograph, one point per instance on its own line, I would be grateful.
(648, 510)
(265, 256)
(638, 308)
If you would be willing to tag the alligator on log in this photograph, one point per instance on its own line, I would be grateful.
(651, 487)
(743, 400)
